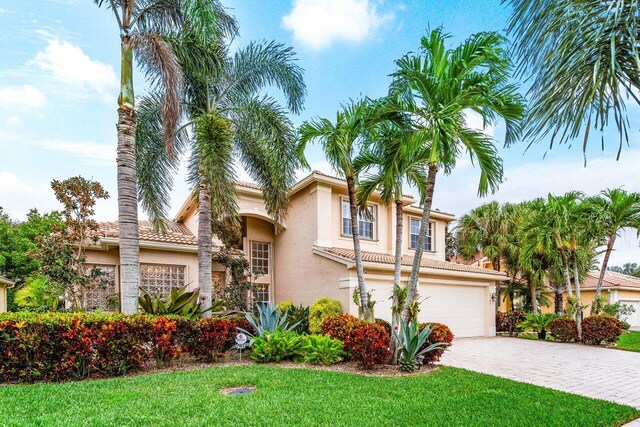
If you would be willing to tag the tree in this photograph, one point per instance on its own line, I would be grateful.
(582, 58)
(149, 28)
(628, 268)
(613, 211)
(230, 119)
(435, 88)
(340, 142)
(62, 252)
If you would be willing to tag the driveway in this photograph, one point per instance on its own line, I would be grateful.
(597, 372)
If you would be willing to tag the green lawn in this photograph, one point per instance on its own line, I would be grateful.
(629, 341)
(301, 397)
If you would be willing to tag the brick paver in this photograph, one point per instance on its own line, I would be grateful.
(597, 372)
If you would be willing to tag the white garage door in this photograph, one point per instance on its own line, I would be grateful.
(634, 318)
(462, 308)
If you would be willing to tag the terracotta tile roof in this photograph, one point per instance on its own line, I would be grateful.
(381, 258)
(611, 280)
(248, 185)
(173, 232)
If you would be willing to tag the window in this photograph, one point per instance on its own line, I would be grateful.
(414, 231)
(101, 294)
(262, 293)
(260, 258)
(157, 278)
(366, 223)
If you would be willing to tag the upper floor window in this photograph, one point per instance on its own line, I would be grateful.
(366, 223)
(414, 231)
(260, 258)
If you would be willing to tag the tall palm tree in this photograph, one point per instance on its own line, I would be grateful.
(614, 210)
(340, 142)
(396, 158)
(582, 58)
(146, 28)
(483, 229)
(435, 88)
(230, 118)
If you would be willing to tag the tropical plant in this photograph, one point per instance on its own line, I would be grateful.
(39, 292)
(628, 268)
(564, 329)
(322, 350)
(278, 345)
(149, 28)
(340, 142)
(365, 313)
(179, 302)
(435, 89)
(298, 315)
(613, 211)
(324, 307)
(230, 120)
(268, 320)
(601, 329)
(538, 322)
(582, 59)
(411, 345)
(618, 310)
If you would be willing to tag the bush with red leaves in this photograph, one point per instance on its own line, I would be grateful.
(440, 333)
(339, 326)
(368, 344)
(564, 329)
(601, 329)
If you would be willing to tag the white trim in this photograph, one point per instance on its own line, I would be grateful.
(348, 283)
(345, 199)
(106, 241)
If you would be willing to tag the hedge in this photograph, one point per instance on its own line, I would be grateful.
(57, 346)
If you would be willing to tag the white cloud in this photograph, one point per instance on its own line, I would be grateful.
(18, 197)
(68, 64)
(13, 120)
(23, 97)
(319, 23)
(92, 153)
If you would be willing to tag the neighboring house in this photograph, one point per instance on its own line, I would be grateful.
(4, 285)
(312, 256)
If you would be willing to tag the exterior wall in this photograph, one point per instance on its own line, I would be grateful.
(438, 239)
(261, 231)
(628, 295)
(3, 299)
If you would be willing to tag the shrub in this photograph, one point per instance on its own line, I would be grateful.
(564, 329)
(384, 323)
(412, 348)
(268, 320)
(212, 337)
(538, 323)
(322, 350)
(600, 329)
(508, 322)
(440, 333)
(277, 346)
(339, 326)
(324, 307)
(164, 340)
(298, 316)
(120, 345)
(368, 344)
(179, 302)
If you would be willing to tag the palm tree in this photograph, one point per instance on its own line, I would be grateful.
(398, 159)
(146, 28)
(230, 119)
(435, 89)
(340, 142)
(614, 210)
(483, 229)
(582, 58)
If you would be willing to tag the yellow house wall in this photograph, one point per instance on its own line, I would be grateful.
(629, 295)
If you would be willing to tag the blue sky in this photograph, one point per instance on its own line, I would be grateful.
(59, 82)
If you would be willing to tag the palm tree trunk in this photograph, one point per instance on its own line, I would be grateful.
(567, 274)
(412, 287)
(397, 272)
(558, 303)
(362, 288)
(576, 280)
(204, 246)
(127, 185)
(605, 262)
(533, 288)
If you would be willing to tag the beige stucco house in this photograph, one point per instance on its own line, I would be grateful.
(4, 285)
(312, 256)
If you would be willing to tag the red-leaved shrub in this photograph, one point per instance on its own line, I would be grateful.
(508, 322)
(440, 333)
(601, 329)
(564, 329)
(368, 344)
(212, 338)
(120, 345)
(339, 326)
(165, 340)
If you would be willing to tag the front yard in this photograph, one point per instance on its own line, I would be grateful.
(629, 341)
(448, 396)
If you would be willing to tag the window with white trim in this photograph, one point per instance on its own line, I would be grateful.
(414, 232)
(366, 222)
(261, 293)
(160, 278)
(260, 258)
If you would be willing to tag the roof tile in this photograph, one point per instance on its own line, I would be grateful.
(173, 232)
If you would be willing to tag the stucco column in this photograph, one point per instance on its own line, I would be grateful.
(321, 197)
(490, 311)
(346, 286)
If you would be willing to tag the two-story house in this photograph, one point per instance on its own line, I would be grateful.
(312, 256)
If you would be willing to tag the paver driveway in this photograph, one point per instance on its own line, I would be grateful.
(589, 371)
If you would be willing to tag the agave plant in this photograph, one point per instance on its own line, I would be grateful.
(537, 322)
(268, 320)
(411, 340)
(179, 302)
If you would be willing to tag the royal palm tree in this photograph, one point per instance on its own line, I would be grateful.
(613, 211)
(582, 58)
(395, 158)
(341, 143)
(230, 118)
(435, 89)
(147, 28)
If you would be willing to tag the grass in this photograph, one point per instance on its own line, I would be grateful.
(629, 341)
(447, 396)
